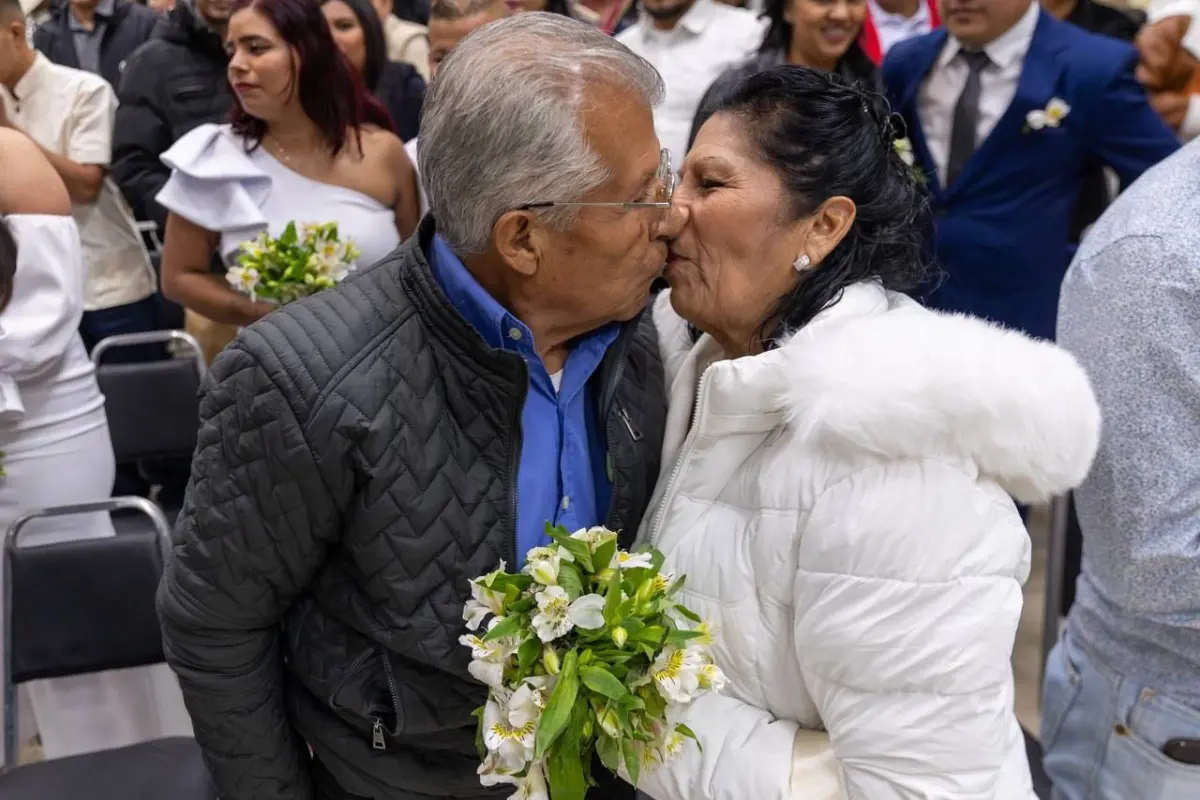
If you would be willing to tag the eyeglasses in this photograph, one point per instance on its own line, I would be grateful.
(664, 190)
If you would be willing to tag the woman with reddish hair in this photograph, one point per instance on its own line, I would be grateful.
(306, 143)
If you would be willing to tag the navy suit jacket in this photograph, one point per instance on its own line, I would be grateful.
(1002, 229)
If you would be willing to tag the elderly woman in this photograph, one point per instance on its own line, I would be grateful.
(838, 465)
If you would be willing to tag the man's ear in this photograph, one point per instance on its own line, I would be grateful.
(519, 239)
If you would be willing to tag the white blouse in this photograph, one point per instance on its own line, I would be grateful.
(48, 389)
(216, 184)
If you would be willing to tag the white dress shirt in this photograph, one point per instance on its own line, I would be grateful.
(709, 39)
(895, 28)
(71, 112)
(946, 81)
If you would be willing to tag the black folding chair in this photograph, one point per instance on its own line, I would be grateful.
(153, 409)
(81, 607)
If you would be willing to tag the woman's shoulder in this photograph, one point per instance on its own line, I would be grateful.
(28, 182)
(383, 147)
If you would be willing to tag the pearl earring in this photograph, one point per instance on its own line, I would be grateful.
(802, 262)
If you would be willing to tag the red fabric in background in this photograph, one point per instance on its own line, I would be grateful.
(868, 40)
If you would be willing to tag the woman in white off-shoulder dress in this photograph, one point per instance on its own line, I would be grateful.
(307, 144)
(57, 451)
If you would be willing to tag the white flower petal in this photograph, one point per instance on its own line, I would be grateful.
(489, 673)
(587, 612)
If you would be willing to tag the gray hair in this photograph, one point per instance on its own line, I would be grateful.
(500, 126)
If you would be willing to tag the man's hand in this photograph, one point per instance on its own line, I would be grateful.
(1165, 65)
(1171, 106)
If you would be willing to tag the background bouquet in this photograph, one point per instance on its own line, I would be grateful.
(295, 265)
(585, 653)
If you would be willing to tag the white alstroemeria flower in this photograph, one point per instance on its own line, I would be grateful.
(711, 677)
(509, 727)
(676, 673)
(1056, 112)
(340, 269)
(633, 560)
(489, 659)
(594, 537)
(542, 686)
(904, 149)
(1035, 120)
(663, 581)
(242, 279)
(483, 601)
(542, 563)
(557, 615)
(491, 774)
(532, 786)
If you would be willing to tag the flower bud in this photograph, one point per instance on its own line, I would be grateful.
(645, 591)
(550, 660)
(604, 575)
(620, 636)
(545, 572)
(610, 723)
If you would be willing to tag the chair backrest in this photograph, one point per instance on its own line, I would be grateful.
(81, 606)
(153, 408)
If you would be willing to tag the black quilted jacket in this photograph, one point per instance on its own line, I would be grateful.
(356, 465)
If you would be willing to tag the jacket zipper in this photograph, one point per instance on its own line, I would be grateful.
(689, 443)
(514, 468)
(378, 732)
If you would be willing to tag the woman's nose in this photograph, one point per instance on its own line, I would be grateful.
(839, 11)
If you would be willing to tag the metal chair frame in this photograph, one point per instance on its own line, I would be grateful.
(182, 338)
(11, 542)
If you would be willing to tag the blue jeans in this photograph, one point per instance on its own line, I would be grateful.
(1103, 732)
(137, 317)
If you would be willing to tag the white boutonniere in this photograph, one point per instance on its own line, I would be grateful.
(1049, 117)
(904, 149)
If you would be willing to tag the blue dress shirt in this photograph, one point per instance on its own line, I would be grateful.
(562, 476)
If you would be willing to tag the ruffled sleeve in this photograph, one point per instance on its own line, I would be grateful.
(43, 315)
(214, 183)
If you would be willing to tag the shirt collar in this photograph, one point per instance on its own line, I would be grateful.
(491, 321)
(103, 12)
(880, 15)
(33, 78)
(1005, 50)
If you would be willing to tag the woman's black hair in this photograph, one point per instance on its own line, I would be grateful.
(557, 7)
(8, 263)
(374, 39)
(827, 137)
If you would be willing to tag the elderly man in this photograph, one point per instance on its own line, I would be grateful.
(365, 452)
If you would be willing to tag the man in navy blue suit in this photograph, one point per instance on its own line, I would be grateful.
(1006, 107)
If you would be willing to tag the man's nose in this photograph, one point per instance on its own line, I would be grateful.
(672, 221)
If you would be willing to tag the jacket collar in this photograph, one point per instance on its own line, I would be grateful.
(877, 374)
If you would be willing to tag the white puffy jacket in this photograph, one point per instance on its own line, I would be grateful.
(841, 508)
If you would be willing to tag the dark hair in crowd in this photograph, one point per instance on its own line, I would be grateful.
(8, 263)
(331, 92)
(778, 38)
(373, 38)
(826, 137)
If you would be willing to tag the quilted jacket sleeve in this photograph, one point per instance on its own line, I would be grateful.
(908, 594)
(252, 534)
(747, 753)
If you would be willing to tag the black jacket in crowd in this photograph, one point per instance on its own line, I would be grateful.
(127, 30)
(401, 90)
(356, 465)
(171, 85)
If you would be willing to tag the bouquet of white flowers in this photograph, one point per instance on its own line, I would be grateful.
(295, 265)
(585, 652)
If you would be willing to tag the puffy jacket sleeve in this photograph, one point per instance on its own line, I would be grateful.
(907, 595)
(745, 753)
(254, 530)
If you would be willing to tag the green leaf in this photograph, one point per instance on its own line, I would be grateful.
(633, 762)
(651, 634)
(558, 708)
(602, 682)
(479, 745)
(289, 236)
(605, 553)
(609, 751)
(689, 733)
(681, 638)
(522, 606)
(687, 613)
(576, 547)
(612, 598)
(506, 627)
(676, 586)
(528, 653)
(564, 772)
(571, 580)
